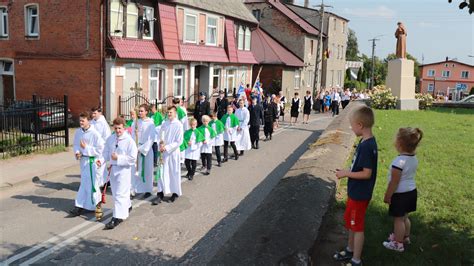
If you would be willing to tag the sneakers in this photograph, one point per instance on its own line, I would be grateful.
(406, 240)
(393, 245)
(343, 255)
(75, 212)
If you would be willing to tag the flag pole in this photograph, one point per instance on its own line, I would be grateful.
(258, 77)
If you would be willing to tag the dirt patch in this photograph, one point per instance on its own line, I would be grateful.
(331, 137)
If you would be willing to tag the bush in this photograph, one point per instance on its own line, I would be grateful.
(382, 98)
(355, 84)
(425, 100)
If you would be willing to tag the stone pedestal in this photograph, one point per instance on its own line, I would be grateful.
(401, 80)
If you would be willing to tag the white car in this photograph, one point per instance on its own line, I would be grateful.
(468, 99)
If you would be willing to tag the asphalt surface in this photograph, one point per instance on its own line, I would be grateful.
(191, 230)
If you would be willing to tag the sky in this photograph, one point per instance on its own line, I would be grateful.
(435, 28)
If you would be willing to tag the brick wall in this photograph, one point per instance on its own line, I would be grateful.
(64, 59)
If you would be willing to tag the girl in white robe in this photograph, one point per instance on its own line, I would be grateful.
(191, 146)
(231, 123)
(244, 143)
(121, 154)
(218, 127)
(88, 147)
(143, 180)
(171, 134)
(206, 148)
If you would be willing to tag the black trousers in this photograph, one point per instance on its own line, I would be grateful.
(345, 103)
(155, 153)
(268, 128)
(218, 153)
(226, 148)
(206, 159)
(335, 107)
(190, 166)
(254, 134)
(321, 106)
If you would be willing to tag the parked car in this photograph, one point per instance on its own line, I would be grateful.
(468, 99)
(22, 115)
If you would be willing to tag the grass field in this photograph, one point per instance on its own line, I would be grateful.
(443, 225)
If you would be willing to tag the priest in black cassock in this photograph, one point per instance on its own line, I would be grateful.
(256, 120)
(202, 107)
(220, 107)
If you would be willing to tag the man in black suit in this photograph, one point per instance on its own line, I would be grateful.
(256, 120)
(270, 115)
(202, 107)
(220, 107)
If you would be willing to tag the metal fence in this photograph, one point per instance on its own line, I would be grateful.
(32, 125)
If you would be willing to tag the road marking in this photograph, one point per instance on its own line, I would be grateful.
(50, 243)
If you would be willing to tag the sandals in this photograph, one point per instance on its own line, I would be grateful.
(343, 255)
(406, 239)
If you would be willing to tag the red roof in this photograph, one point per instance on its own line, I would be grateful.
(246, 57)
(192, 52)
(294, 17)
(136, 49)
(268, 51)
(169, 31)
(230, 39)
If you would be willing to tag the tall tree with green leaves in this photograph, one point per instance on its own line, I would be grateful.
(352, 52)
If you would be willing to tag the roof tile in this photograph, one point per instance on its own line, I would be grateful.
(136, 49)
(268, 51)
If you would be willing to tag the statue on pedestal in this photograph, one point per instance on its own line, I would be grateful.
(401, 35)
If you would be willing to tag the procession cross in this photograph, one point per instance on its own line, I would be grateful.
(137, 91)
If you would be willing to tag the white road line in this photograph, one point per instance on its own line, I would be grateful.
(70, 240)
(49, 244)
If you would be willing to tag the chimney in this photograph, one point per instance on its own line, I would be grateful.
(306, 3)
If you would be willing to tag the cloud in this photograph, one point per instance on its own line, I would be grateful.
(376, 12)
(424, 24)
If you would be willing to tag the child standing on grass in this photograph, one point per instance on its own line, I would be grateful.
(401, 192)
(360, 185)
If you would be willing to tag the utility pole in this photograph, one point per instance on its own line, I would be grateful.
(316, 80)
(371, 85)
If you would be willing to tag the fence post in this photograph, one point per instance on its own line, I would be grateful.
(66, 120)
(35, 117)
(120, 105)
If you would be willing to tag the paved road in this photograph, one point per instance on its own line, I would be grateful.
(191, 230)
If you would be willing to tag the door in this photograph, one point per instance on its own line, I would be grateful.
(132, 77)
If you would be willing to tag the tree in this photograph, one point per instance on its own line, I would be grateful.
(352, 52)
(466, 3)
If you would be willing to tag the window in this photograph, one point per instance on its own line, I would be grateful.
(132, 20)
(32, 20)
(230, 80)
(311, 52)
(335, 24)
(148, 22)
(178, 82)
(343, 27)
(446, 73)
(190, 32)
(157, 79)
(343, 53)
(297, 79)
(211, 31)
(216, 78)
(248, 37)
(465, 74)
(257, 13)
(3, 22)
(240, 38)
(431, 73)
(116, 18)
(6, 68)
(430, 87)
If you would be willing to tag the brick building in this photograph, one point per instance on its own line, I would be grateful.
(192, 47)
(51, 48)
(289, 29)
(447, 77)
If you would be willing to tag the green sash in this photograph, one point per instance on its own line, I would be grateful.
(219, 126)
(234, 121)
(143, 167)
(157, 118)
(91, 163)
(211, 131)
(181, 112)
(187, 137)
(128, 123)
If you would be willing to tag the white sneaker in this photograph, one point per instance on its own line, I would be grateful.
(394, 245)
(406, 240)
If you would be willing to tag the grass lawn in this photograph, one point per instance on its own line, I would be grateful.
(443, 225)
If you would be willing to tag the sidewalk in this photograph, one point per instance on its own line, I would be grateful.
(23, 169)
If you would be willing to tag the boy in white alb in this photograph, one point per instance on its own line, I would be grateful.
(191, 146)
(88, 148)
(121, 154)
(102, 127)
(207, 144)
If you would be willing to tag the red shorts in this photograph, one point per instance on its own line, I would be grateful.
(355, 214)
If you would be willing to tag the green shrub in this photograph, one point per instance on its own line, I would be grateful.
(382, 98)
(25, 145)
(425, 100)
(5, 143)
(355, 84)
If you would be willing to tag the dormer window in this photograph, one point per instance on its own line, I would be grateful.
(190, 28)
(211, 31)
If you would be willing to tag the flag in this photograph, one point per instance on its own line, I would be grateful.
(241, 90)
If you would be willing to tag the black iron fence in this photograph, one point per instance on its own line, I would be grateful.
(32, 125)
